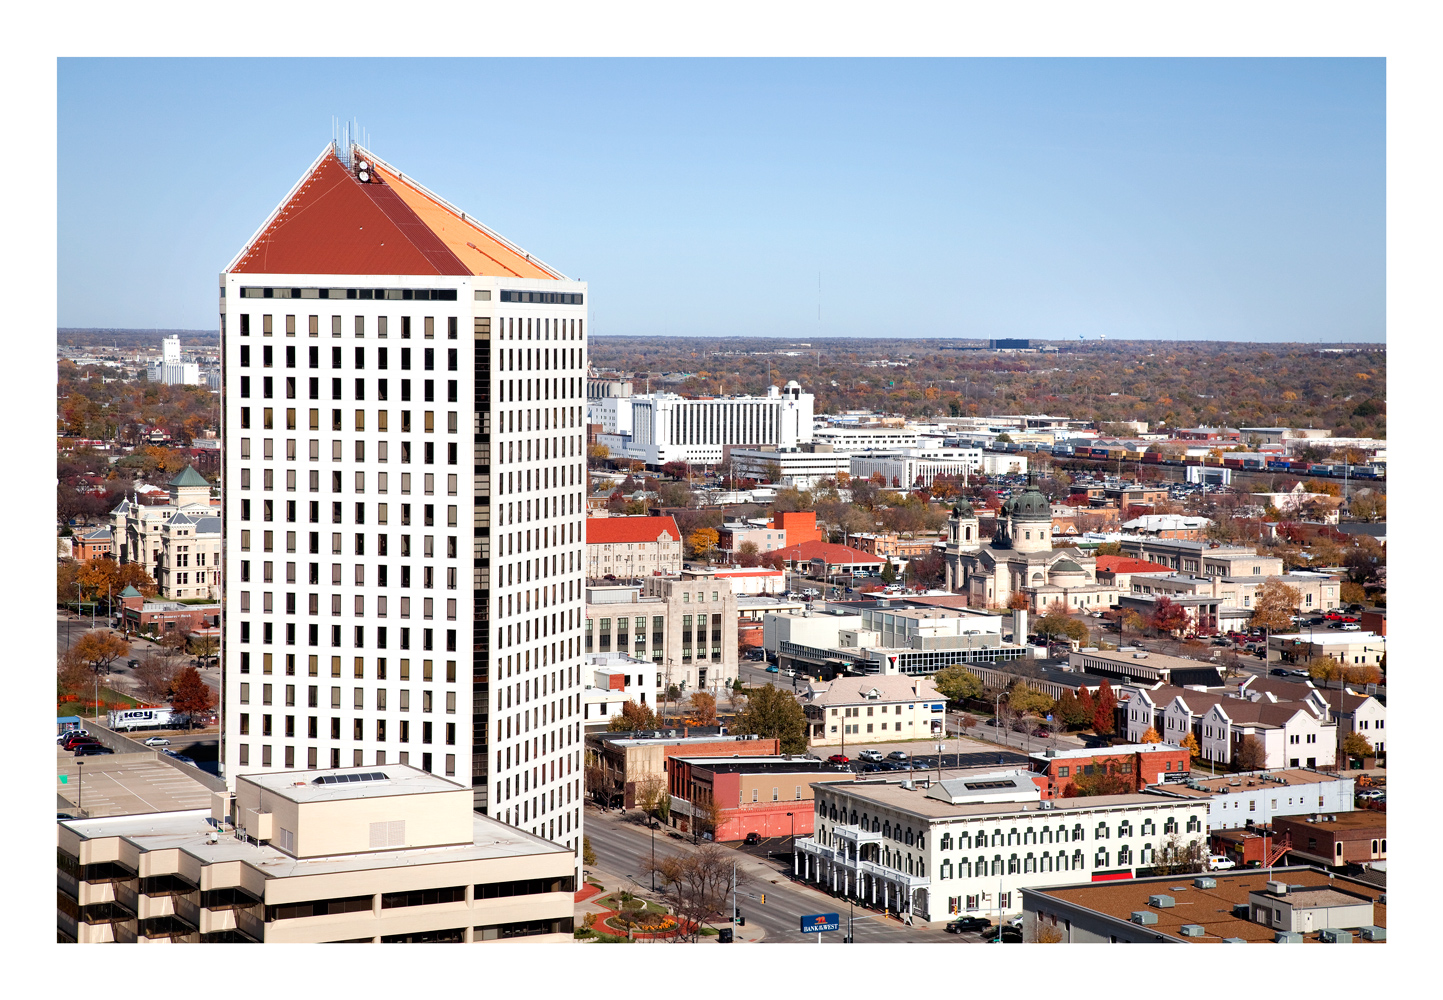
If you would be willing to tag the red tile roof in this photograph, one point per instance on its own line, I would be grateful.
(610, 530)
(334, 224)
(1127, 564)
(826, 550)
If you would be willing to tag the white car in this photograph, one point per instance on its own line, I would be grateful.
(157, 741)
(1220, 863)
(871, 755)
(1350, 627)
(1371, 794)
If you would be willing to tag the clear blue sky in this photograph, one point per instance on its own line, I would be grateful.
(1191, 199)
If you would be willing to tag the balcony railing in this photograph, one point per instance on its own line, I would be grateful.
(892, 875)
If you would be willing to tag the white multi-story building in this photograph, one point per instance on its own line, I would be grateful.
(908, 467)
(662, 427)
(613, 679)
(857, 440)
(803, 468)
(404, 459)
(968, 843)
(170, 369)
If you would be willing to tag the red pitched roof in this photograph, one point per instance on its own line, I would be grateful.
(1127, 564)
(609, 530)
(831, 553)
(334, 224)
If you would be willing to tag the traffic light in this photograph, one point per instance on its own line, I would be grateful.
(764, 899)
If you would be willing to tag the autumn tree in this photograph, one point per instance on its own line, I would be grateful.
(649, 794)
(1168, 617)
(99, 650)
(1057, 622)
(588, 855)
(1098, 779)
(1019, 602)
(1273, 605)
(174, 641)
(747, 554)
(204, 646)
(1073, 713)
(1251, 755)
(1179, 857)
(597, 785)
(773, 713)
(1025, 698)
(703, 708)
(1357, 745)
(189, 695)
(957, 684)
(74, 678)
(1189, 743)
(1151, 736)
(632, 718)
(1104, 711)
(1325, 669)
(702, 541)
(1353, 593)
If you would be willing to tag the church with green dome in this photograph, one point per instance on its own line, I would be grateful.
(1019, 559)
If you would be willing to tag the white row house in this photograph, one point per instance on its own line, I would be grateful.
(1291, 734)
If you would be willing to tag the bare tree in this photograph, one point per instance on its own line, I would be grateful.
(650, 791)
(155, 675)
(696, 886)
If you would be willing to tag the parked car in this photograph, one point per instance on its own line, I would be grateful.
(71, 734)
(839, 758)
(773, 670)
(966, 925)
(898, 755)
(1299, 673)
(1371, 794)
(157, 741)
(91, 750)
(872, 755)
(1220, 863)
(865, 768)
(1351, 627)
(1279, 672)
(753, 838)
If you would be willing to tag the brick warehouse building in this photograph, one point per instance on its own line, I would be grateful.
(770, 796)
(1138, 764)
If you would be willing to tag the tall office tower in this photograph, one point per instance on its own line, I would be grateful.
(405, 496)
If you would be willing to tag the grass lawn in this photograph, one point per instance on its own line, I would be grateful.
(86, 706)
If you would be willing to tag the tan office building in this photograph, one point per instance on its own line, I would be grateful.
(389, 854)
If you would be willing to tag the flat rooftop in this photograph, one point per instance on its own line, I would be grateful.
(328, 785)
(188, 831)
(916, 801)
(1210, 908)
(1104, 751)
(1332, 638)
(1243, 782)
(121, 784)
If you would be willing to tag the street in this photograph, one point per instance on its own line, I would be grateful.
(120, 679)
(623, 847)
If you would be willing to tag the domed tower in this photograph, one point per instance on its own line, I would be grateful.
(1029, 519)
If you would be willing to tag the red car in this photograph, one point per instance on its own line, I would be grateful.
(839, 758)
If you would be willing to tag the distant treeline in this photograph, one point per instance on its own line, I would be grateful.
(97, 337)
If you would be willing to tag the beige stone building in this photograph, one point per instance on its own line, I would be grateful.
(178, 543)
(686, 627)
(389, 854)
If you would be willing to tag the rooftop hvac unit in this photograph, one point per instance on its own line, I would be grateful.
(1280, 888)
(1372, 933)
(1235, 940)
(1241, 910)
(1204, 883)
(1192, 930)
(1334, 935)
(1143, 917)
(1160, 901)
(1287, 937)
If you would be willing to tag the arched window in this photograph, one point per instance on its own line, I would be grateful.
(1148, 827)
(964, 839)
(1029, 836)
(854, 817)
(1062, 861)
(945, 871)
(1099, 860)
(964, 869)
(996, 838)
(909, 836)
(997, 864)
(1101, 832)
(1194, 824)
(909, 864)
(1029, 863)
(1077, 860)
(1124, 829)
(887, 830)
(1146, 855)
(1014, 865)
(981, 867)
(876, 825)
(1124, 855)
(1012, 836)
(1077, 832)
(945, 844)
(1170, 825)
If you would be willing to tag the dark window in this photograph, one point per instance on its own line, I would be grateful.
(430, 390)
(423, 897)
(290, 355)
(315, 356)
(245, 387)
(360, 358)
(267, 356)
(335, 357)
(524, 887)
(319, 907)
(336, 389)
(405, 392)
(245, 355)
(451, 390)
(381, 389)
(406, 353)
(381, 358)
(315, 388)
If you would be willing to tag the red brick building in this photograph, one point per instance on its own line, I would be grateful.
(629, 760)
(141, 614)
(770, 796)
(92, 543)
(1139, 764)
(799, 525)
(1335, 839)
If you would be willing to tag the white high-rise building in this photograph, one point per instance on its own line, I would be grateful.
(170, 369)
(404, 470)
(662, 427)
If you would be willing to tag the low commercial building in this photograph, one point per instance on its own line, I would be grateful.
(731, 797)
(1202, 558)
(1136, 765)
(902, 640)
(823, 560)
(908, 467)
(385, 854)
(1348, 648)
(1284, 905)
(803, 466)
(139, 613)
(632, 547)
(891, 545)
(1336, 839)
(934, 849)
(861, 710)
(1255, 798)
(628, 762)
(614, 680)
(1126, 664)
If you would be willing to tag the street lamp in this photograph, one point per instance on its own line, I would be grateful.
(794, 832)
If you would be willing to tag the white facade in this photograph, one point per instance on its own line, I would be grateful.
(949, 849)
(405, 568)
(1261, 795)
(1004, 463)
(909, 466)
(170, 370)
(1291, 735)
(793, 467)
(857, 440)
(666, 427)
(613, 680)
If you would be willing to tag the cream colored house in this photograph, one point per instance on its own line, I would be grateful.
(386, 854)
(873, 709)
